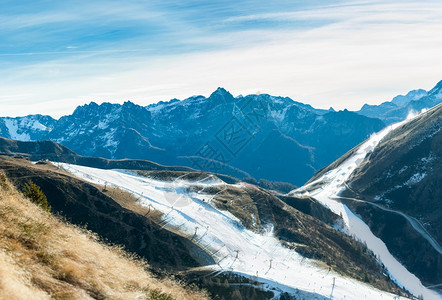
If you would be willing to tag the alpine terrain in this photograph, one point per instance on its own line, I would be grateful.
(387, 193)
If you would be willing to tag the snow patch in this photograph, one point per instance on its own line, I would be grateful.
(102, 125)
(38, 126)
(279, 116)
(13, 129)
(109, 142)
(21, 127)
(415, 178)
(429, 159)
(404, 168)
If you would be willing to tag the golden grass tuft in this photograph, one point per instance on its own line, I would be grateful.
(42, 257)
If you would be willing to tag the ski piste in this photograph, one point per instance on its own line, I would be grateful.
(234, 248)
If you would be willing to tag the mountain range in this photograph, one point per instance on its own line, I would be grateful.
(221, 133)
(400, 106)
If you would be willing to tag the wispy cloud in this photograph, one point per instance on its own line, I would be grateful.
(332, 54)
(361, 11)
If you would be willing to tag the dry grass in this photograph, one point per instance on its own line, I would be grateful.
(41, 257)
(239, 203)
(130, 202)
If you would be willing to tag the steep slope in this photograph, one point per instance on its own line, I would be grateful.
(400, 106)
(404, 236)
(404, 171)
(252, 233)
(43, 258)
(403, 175)
(220, 133)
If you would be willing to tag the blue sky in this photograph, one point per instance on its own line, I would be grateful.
(55, 55)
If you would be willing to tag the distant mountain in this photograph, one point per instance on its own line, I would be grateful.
(400, 106)
(221, 133)
(26, 128)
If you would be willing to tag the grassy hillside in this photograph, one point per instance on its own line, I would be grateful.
(41, 258)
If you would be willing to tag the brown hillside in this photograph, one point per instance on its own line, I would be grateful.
(43, 258)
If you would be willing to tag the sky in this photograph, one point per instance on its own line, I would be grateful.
(56, 55)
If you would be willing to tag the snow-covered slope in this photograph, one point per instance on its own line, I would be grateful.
(329, 186)
(398, 192)
(234, 248)
(26, 128)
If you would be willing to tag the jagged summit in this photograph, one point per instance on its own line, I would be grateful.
(410, 96)
(221, 94)
(436, 91)
(221, 90)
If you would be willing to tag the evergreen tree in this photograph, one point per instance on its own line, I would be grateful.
(36, 195)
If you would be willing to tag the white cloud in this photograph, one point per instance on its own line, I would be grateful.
(368, 54)
(360, 11)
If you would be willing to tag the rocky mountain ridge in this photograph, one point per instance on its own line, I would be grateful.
(219, 134)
